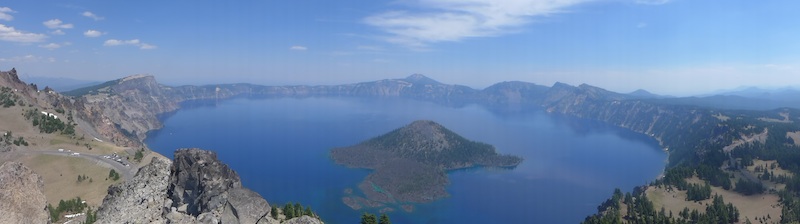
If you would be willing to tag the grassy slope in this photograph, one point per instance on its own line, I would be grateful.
(59, 172)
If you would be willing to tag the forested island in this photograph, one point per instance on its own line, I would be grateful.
(409, 164)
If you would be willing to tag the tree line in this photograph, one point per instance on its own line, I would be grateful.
(641, 210)
(291, 210)
(369, 218)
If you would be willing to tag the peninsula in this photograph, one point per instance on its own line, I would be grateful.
(409, 163)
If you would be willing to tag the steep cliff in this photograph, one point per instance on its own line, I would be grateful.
(124, 110)
(139, 200)
(681, 129)
(195, 188)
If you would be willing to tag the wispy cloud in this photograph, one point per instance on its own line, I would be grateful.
(57, 32)
(133, 42)
(93, 33)
(435, 21)
(93, 16)
(115, 42)
(144, 46)
(8, 33)
(5, 13)
(50, 46)
(298, 48)
(57, 24)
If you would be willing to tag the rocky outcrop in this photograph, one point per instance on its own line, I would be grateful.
(139, 200)
(303, 220)
(22, 195)
(200, 182)
(195, 188)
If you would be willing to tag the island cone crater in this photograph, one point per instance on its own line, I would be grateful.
(410, 164)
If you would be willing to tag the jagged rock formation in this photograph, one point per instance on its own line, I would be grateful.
(201, 184)
(139, 200)
(22, 195)
(195, 188)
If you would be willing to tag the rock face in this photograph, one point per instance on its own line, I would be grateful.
(200, 181)
(21, 194)
(124, 110)
(195, 188)
(139, 200)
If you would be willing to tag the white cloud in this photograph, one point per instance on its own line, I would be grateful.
(93, 33)
(115, 42)
(298, 48)
(454, 20)
(92, 16)
(5, 13)
(145, 46)
(57, 24)
(133, 42)
(57, 32)
(50, 46)
(8, 33)
(652, 2)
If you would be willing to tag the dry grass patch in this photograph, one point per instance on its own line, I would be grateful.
(795, 136)
(752, 206)
(721, 117)
(777, 172)
(60, 175)
(672, 200)
(14, 121)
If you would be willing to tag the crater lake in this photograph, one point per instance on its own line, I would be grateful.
(280, 148)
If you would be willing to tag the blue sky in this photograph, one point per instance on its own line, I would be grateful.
(674, 47)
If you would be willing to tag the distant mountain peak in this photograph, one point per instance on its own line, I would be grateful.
(138, 77)
(640, 92)
(419, 78)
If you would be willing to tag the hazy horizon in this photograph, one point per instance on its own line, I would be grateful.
(668, 47)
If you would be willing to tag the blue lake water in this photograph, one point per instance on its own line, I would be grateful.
(280, 148)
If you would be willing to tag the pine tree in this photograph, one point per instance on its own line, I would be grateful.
(384, 219)
(298, 209)
(367, 218)
(274, 212)
(288, 210)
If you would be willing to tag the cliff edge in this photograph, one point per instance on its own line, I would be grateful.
(195, 188)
